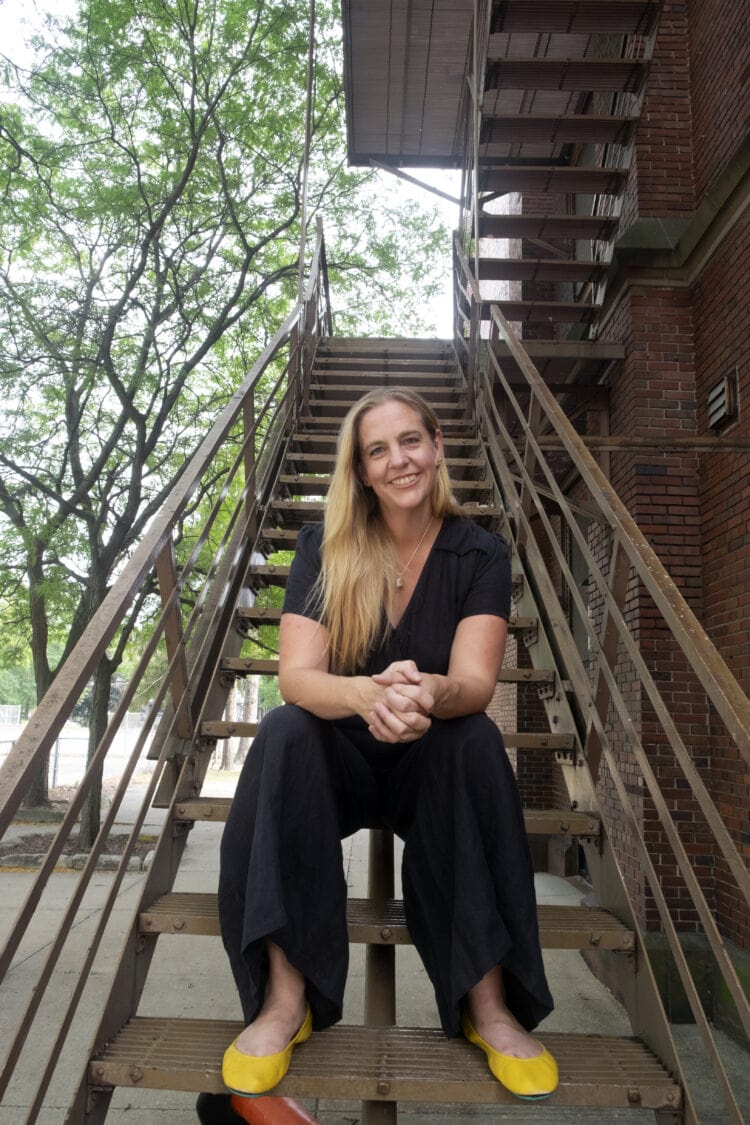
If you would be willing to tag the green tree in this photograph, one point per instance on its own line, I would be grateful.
(151, 178)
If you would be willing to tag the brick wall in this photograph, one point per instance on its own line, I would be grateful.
(655, 394)
(722, 315)
(661, 181)
(719, 86)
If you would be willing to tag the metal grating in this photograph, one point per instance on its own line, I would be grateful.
(394, 1064)
(603, 75)
(628, 17)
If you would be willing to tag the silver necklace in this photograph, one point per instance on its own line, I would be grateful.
(402, 572)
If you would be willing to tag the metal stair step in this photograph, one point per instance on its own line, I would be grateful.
(539, 822)
(383, 1064)
(350, 392)
(601, 17)
(613, 75)
(316, 484)
(435, 366)
(455, 427)
(520, 740)
(324, 462)
(554, 178)
(388, 347)
(283, 539)
(293, 513)
(593, 227)
(271, 615)
(383, 922)
(568, 312)
(268, 574)
(278, 538)
(252, 666)
(326, 443)
(539, 269)
(450, 408)
(551, 129)
(361, 377)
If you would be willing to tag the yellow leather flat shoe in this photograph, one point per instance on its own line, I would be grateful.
(251, 1074)
(530, 1079)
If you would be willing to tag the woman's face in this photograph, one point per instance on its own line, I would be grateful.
(398, 458)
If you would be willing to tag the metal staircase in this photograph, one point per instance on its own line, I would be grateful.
(380, 1063)
(276, 480)
(556, 93)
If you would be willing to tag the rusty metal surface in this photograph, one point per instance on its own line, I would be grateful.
(166, 574)
(545, 822)
(400, 1064)
(381, 921)
(630, 542)
(627, 17)
(152, 558)
(251, 666)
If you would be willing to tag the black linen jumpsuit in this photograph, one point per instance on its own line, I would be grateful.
(451, 796)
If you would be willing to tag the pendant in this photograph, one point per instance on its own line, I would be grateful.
(399, 583)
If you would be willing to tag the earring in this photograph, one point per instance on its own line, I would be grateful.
(439, 461)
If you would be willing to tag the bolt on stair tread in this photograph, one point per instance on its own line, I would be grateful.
(382, 921)
(403, 1064)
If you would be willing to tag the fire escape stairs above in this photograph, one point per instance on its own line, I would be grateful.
(562, 92)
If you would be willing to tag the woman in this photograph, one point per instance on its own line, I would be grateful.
(391, 641)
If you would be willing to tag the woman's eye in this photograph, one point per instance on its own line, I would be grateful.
(413, 440)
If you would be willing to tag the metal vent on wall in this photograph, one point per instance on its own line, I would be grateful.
(722, 401)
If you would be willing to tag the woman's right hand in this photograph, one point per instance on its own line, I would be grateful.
(402, 705)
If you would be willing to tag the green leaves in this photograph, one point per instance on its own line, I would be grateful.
(151, 167)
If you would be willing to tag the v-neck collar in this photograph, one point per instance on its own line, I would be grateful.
(387, 621)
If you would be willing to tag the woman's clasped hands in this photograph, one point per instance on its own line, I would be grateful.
(402, 704)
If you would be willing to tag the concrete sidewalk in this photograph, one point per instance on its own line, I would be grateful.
(189, 977)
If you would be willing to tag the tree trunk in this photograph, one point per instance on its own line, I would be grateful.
(91, 813)
(38, 791)
(249, 714)
(230, 712)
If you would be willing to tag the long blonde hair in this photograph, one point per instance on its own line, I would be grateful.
(358, 558)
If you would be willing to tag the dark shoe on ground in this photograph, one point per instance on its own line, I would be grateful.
(216, 1109)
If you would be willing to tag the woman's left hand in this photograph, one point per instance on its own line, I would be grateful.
(404, 713)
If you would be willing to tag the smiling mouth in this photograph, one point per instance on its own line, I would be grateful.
(407, 480)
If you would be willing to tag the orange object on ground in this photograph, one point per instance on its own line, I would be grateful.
(271, 1111)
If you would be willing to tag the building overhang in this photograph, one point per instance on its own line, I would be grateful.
(405, 66)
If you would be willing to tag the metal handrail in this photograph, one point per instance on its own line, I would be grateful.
(515, 439)
(234, 517)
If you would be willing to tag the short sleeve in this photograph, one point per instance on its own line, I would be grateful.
(489, 591)
(299, 597)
